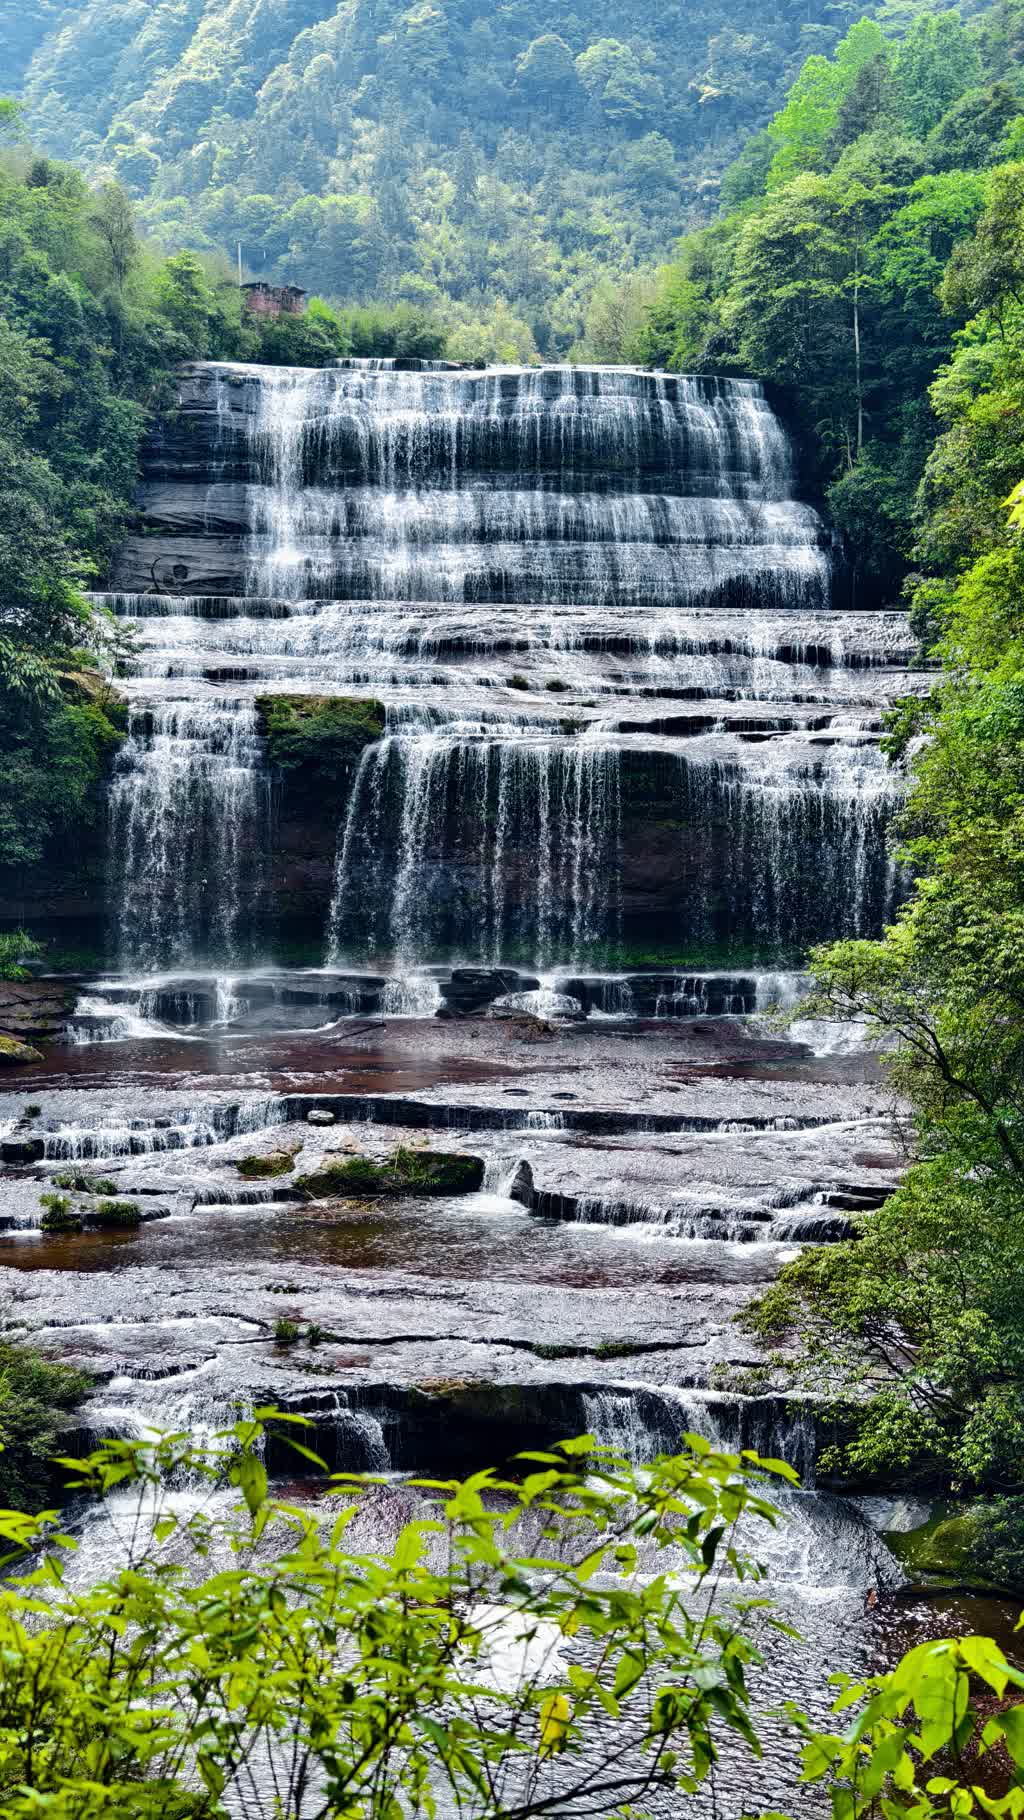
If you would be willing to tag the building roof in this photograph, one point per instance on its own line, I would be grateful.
(261, 284)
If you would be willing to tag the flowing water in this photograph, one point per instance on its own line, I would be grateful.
(627, 771)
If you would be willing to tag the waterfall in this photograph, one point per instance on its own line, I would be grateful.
(537, 832)
(622, 709)
(189, 826)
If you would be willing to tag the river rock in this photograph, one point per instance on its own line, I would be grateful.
(35, 1007)
(15, 1054)
(22, 1149)
(521, 1187)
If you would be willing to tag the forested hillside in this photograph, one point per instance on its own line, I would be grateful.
(507, 158)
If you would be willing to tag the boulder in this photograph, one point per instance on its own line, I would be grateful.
(16, 1054)
(521, 1187)
(472, 988)
(22, 1150)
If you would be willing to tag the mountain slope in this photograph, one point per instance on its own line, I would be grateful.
(446, 149)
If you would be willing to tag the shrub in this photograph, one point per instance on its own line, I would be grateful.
(15, 947)
(518, 682)
(505, 1670)
(115, 1213)
(83, 1183)
(340, 1652)
(36, 1397)
(286, 1331)
(58, 1215)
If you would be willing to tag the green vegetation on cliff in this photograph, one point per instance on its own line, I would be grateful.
(319, 736)
(90, 328)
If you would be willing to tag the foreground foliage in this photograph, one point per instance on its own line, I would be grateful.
(545, 1644)
(573, 1641)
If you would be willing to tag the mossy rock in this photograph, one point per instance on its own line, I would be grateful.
(945, 1548)
(320, 735)
(14, 1054)
(406, 1172)
(261, 1168)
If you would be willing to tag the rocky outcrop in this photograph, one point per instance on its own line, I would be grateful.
(32, 1010)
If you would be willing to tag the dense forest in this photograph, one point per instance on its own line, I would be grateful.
(498, 161)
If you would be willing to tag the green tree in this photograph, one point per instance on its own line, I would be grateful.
(509, 1649)
(802, 128)
(546, 67)
(936, 62)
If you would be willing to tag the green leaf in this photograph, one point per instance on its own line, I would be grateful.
(250, 1475)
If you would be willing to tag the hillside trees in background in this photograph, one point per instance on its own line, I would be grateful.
(850, 261)
(464, 158)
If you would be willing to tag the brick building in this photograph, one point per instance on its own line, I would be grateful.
(274, 299)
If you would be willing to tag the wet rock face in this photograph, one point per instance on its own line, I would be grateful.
(34, 1008)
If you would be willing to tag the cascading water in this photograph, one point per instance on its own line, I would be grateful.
(621, 709)
(395, 889)
(189, 831)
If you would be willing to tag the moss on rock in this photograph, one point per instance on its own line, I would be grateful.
(320, 735)
(412, 1172)
(978, 1545)
(260, 1168)
(14, 1054)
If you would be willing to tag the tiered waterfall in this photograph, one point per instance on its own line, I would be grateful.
(623, 715)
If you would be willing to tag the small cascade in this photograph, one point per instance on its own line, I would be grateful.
(195, 1125)
(189, 832)
(532, 830)
(644, 1420)
(417, 995)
